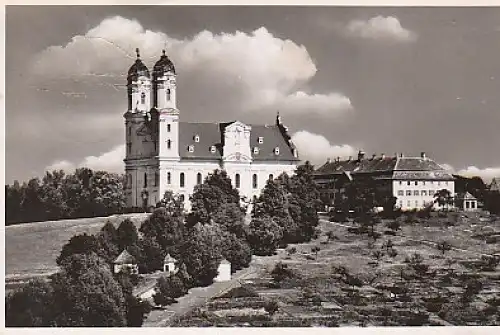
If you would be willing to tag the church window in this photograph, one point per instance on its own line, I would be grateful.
(271, 177)
(168, 127)
(169, 178)
(277, 151)
(145, 179)
(212, 149)
(168, 94)
(191, 148)
(408, 193)
(416, 183)
(255, 150)
(237, 180)
(182, 181)
(261, 140)
(415, 192)
(401, 192)
(254, 181)
(198, 178)
(169, 144)
(423, 193)
(143, 98)
(408, 183)
(197, 138)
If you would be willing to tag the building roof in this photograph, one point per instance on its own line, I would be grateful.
(124, 258)
(466, 196)
(163, 65)
(137, 69)
(212, 134)
(388, 167)
(495, 184)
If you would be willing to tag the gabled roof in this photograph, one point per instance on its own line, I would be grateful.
(495, 184)
(390, 167)
(466, 196)
(125, 258)
(212, 134)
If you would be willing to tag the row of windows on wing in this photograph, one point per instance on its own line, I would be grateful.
(199, 179)
(423, 183)
(423, 193)
(416, 203)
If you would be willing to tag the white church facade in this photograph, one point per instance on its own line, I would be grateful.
(165, 154)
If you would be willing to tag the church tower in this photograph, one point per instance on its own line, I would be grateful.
(165, 102)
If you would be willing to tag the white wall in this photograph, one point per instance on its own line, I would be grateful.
(408, 202)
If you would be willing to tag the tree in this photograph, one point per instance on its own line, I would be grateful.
(137, 311)
(443, 198)
(271, 307)
(264, 236)
(443, 246)
(166, 227)
(151, 255)
(168, 289)
(237, 251)
(273, 203)
(87, 295)
(79, 244)
(315, 250)
(31, 305)
(231, 218)
(207, 198)
(126, 234)
(202, 252)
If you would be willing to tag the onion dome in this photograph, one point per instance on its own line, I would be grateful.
(137, 69)
(163, 65)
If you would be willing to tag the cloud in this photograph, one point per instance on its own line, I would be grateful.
(242, 71)
(317, 149)
(380, 28)
(111, 161)
(487, 174)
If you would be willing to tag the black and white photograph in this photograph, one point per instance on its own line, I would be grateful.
(251, 166)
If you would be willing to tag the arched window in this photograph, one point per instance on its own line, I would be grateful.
(143, 98)
(237, 180)
(157, 178)
(168, 127)
(254, 181)
(198, 178)
(169, 144)
(168, 94)
(169, 178)
(182, 181)
(271, 177)
(145, 179)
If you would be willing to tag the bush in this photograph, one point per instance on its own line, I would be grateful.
(168, 289)
(271, 307)
(282, 273)
(241, 292)
(264, 236)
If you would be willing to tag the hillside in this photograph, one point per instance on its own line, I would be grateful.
(31, 249)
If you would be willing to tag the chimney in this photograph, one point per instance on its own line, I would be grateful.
(350, 158)
(422, 155)
(361, 155)
(373, 156)
(401, 155)
(338, 159)
(328, 160)
(382, 156)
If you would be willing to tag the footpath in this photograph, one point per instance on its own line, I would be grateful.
(199, 296)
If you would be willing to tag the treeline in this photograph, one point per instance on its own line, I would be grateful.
(85, 193)
(215, 229)
(476, 186)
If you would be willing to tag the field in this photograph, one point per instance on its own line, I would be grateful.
(31, 249)
(355, 281)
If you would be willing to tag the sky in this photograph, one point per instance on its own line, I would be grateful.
(383, 80)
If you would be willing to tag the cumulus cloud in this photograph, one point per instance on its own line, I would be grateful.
(257, 69)
(487, 174)
(380, 28)
(317, 149)
(111, 161)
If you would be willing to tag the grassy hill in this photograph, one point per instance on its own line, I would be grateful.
(31, 249)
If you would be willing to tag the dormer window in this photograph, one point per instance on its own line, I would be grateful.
(191, 148)
(261, 139)
(277, 151)
(212, 149)
(256, 150)
(197, 138)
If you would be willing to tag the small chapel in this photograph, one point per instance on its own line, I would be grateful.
(163, 153)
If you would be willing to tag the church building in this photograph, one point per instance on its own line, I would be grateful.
(165, 154)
